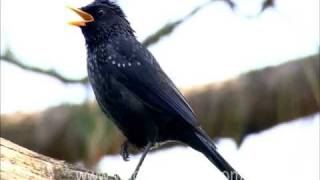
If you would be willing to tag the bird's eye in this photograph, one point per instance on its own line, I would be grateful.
(100, 12)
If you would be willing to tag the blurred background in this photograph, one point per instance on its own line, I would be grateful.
(250, 70)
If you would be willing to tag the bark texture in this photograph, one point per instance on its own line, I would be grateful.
(20, 163)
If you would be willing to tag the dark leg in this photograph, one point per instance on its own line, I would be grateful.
(144, 154)
(124, 151)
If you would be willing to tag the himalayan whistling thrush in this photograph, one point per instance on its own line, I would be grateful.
(134, 92)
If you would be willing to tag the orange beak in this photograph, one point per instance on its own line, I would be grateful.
(86, 17)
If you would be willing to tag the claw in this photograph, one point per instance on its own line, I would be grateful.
(124, 151)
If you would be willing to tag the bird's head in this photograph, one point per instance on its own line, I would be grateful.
(101, 19)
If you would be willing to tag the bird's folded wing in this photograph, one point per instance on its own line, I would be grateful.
(155, 89)
(149, 83)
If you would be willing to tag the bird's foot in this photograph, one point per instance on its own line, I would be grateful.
(124, 151)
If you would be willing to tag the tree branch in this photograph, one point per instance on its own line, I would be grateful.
(259, 99)
(236, 108)
(152, 39)
(20, 163)
(10, 58)
(170, 27)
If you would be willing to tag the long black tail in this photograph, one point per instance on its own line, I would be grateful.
(202, 143)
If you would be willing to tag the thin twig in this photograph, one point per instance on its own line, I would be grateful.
(9, 57)
(169, 27)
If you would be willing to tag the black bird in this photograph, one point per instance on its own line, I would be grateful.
(133, 91)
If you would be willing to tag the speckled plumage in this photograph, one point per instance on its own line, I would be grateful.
(132, 89)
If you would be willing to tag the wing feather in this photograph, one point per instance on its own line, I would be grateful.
(146, 80)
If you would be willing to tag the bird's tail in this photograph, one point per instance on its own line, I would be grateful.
(202, 142)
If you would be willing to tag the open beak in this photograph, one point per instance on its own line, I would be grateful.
(86, 17)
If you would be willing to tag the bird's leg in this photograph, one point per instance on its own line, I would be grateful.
(124, 151)
(144, 154)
